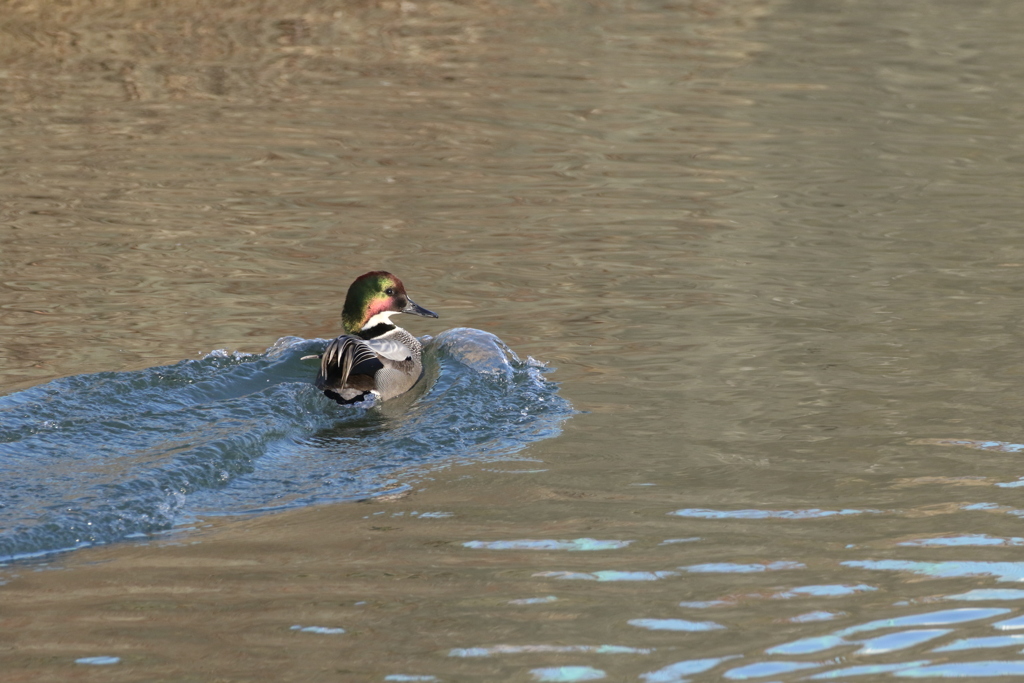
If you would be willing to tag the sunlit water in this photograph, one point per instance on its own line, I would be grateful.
(99, 458)
(773, 249)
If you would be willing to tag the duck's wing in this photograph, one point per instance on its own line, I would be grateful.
(346, 356)
(392, 349)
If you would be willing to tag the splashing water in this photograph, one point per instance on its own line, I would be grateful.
(97, 458)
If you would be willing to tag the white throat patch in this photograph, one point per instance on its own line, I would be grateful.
(382, 318)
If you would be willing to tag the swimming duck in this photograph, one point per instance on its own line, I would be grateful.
(374, 356)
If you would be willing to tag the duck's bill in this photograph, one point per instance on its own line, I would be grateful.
(416, 309)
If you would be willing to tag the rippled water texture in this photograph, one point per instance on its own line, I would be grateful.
(98, 458)
(773, 250)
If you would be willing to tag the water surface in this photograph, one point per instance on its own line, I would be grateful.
(772, 249)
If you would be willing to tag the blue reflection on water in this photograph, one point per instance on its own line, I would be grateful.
(808, 645)
(892, 641)
(704, 604)
(868, 669)
(705, 513)
(671, 541)
(98, 458)
(734, 568)
(989, 594)
(471, 652)
(98, 661)
(981, 506)
(674, 625)
(965, 670)
(963, 540)
(1009, 624)
(958, 615)
(533, 601)
(322, 630)
(606, 575)
(818, 615)
(1002, 571)
(979, 643)
(676, 673)
(1000, 446)
(818, 591)
(576, 544)
(567, 674)
(824, 591)
(762, 669)
(900, 640)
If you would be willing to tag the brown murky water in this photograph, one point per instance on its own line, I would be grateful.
(772, 247)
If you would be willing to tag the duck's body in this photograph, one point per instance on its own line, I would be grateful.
(387, 365)
(375, 357)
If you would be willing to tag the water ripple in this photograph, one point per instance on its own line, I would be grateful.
(321, 630)
(1001, 571)
(901, 640)
(963, 540)
(576, 544)
(868, 670)
(982, 643)
(760, 669)
(98, 661)
(97, 458)
(674, 673)
(989, 594)
(957, 615)
(607, 575)
(472, 652)
(675, 625)
(567, 674)
(736, 568)
(704, 513)
(965, 670)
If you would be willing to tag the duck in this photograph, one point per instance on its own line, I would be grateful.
(375, 359)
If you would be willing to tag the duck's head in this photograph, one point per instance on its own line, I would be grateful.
(372, 300)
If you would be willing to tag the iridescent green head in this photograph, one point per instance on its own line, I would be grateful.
(372, 300)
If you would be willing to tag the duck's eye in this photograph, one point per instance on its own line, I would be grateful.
(390, 291)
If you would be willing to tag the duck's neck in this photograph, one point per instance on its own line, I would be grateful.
(374, 327)
(375, 331)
